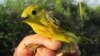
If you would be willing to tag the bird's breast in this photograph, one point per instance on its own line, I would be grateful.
(46, 31)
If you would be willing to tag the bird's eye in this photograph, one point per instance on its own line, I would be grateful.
(33, 12)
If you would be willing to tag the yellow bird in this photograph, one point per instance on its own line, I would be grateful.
(49, 24)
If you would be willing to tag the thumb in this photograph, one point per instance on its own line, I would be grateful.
(43, 51)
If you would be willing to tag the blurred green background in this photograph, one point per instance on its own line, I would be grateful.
(84, 16)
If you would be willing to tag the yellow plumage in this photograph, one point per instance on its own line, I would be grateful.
(41, 25)
(48, 24)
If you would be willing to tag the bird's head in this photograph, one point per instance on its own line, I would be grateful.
(32, 13)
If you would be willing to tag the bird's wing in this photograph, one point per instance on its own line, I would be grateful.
(62, 22)
(59, 20)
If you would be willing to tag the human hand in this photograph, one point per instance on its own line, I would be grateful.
(48, 47)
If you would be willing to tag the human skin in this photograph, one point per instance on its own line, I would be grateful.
(48, 47)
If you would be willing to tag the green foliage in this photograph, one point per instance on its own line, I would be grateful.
(98, 9)
(11, 31)
(80, 15)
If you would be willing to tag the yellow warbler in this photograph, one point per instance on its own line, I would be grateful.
(49, 24)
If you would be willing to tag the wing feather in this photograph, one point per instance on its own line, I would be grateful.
(59, 20)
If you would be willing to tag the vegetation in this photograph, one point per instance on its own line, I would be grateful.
(82, 17)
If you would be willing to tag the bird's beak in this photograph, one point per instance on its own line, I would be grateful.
(22, 19)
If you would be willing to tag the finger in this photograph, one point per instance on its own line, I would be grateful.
(49, 43)
(42, 51)
(37, 39)
(60, 54)
(21, 50)
(24, 52)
